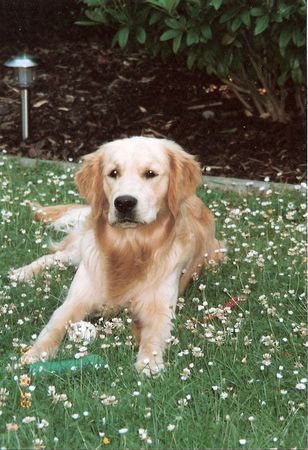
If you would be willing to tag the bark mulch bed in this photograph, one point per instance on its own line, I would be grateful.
(86, 94)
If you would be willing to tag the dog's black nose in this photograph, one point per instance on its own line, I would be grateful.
(125, 203)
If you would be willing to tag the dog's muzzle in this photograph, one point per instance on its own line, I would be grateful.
(125, 206)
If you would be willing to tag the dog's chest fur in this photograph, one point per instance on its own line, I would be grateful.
(125, 261)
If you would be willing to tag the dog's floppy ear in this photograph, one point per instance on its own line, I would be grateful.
(185, 176)
(89, 180)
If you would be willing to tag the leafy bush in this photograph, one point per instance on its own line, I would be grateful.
(256, 48)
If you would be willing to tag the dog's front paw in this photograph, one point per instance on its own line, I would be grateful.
(32, 356)
(29, 358)
(149, 366)
(22, 274)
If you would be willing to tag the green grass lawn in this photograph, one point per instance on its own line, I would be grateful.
(233, 383)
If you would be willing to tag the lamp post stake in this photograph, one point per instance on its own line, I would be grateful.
(23, 66)
(24, 114)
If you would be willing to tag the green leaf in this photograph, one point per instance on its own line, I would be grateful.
(276, 17)
(294, 62)
(141, 35)
(123, 35)
(245, 17)
(206, 31)
(216, 4)
(169, 34)
(284, 10)
(93, 2)
(211, 70)
(191, 59)
(237, 22)
(282, 51)
(229, 14)
(192, 37)
(171, 5)
(173, 23)
(282, 78)
(155, 17)
(261, 24)
(86, 23)
(168, 5)
(177, 43)
(285, 37)
(297, 76)
(96, 15)
(238, 44)
(257, 12)
(222, 69)
(227, 39)
(298, 38)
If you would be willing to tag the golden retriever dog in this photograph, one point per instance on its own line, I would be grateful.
(143, 236)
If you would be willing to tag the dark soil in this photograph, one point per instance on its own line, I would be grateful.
(86, 94)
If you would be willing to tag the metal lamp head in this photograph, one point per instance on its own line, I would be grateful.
(23, 66)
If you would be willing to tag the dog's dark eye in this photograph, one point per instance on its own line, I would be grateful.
(113, 174)
(150, 174)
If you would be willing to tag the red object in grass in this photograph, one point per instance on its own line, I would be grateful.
(232, 303)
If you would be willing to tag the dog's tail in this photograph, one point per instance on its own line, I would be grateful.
(61, 217)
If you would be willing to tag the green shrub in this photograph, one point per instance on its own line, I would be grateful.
(256, 48)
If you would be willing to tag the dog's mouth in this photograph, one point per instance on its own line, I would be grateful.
(130, 219)
(127, 224)
(127, 221)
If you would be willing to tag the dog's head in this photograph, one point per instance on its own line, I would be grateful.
(135, 180)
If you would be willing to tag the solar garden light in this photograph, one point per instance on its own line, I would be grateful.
(23, 66)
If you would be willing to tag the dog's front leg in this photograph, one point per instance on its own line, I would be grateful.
(66, 252)
(25, 273)
(154, 312)
(81, 301)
